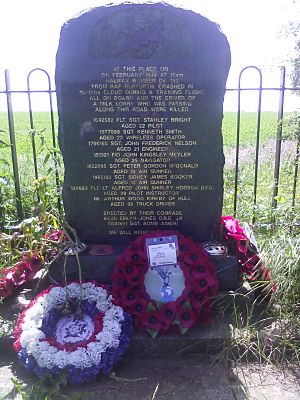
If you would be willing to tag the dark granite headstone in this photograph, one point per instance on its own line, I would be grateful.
(140, 97)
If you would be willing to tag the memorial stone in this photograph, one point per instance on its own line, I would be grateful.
(140, 99)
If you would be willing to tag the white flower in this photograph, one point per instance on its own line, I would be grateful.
(31, 336)
(47, 355)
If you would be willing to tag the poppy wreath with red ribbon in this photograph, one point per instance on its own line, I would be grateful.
(191, 307)
(253, 268)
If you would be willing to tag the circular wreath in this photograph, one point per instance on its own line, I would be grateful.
(76, 328)
(191, 307)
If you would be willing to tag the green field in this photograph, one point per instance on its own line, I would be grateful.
(268, 132)
(248, 126)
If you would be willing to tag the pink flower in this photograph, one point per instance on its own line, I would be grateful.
(56, 235)
(17, 275)
(232, 226)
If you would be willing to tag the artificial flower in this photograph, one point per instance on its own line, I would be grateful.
(84, 344)
(187, 317)
(151, 320)
(240, 245)
(167, 314)
(198, 273)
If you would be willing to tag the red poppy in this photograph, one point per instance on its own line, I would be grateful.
(198, 271)
(184, 246)
(167, 314)
(198, 300)
(133, 255)
(151, 320)
(129, 297)
(139, 307)
(186, 317)
(118, 280)
(185, 294)
(194, 256)
(138, 244)
(132, 273)
(204, 283)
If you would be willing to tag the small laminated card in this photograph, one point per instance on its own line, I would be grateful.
(162, 250)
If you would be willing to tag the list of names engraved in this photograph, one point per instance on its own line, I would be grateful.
(143, 164)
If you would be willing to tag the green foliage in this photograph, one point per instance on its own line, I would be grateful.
(269, 332)
(48, 388)
(48, 160)
(280, 249)
(292, 125)
(5, 202)
(30, 238)
(293, 30)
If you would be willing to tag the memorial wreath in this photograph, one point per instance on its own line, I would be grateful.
(190, 307)
(76, 328)
(246, 250)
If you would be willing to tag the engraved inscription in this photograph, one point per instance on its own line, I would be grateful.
(140, 89)
(143, 159)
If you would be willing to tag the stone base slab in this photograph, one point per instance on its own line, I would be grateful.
(100, 267)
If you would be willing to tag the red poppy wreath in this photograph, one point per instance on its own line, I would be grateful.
(189, 307)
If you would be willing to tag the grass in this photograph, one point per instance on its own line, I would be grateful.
(43, 140)
(263, 209)
(24, 135)
(248, 126)
(274, 337)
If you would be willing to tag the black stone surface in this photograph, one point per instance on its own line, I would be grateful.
(100, 268)
(140, 95)
(228, 272)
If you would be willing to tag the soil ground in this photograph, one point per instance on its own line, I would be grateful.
(188, 377)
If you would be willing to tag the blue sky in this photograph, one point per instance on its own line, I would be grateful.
(30, 33)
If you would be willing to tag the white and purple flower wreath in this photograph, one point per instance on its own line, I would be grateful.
(75, 328)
